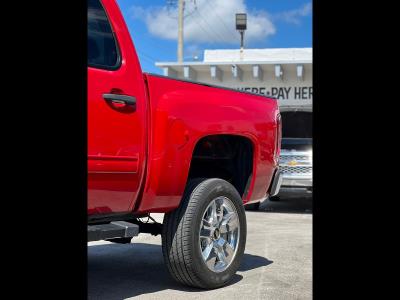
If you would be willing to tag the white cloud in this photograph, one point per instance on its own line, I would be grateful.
(208, 21)
(294, 16)
(214, 21)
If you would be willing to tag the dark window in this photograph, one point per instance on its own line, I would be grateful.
(296, 124)
(102, 47)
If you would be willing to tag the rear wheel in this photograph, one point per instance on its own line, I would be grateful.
(203, 240)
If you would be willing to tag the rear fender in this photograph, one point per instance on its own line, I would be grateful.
(181, 114)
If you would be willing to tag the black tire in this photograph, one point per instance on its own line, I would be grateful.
(252, 206)
(180, 236)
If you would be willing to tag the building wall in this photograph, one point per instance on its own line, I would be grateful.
(292, 91)
(289, 90)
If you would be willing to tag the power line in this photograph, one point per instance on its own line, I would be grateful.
(152, 44)
(172, 7)
(208, 33)
(180, 6)
(216, 34)
(145, 41)
(233, 33)
(146, 56)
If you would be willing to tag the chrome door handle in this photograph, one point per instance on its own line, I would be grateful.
(120, 99)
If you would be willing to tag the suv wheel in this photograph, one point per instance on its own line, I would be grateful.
(203, 240)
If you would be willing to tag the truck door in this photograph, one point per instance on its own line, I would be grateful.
(116, 103)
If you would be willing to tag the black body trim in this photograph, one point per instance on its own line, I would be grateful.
(119, 229)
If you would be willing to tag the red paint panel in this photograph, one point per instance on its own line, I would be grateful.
(112, 164)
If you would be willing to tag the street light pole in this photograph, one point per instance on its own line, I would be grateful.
(241, 43)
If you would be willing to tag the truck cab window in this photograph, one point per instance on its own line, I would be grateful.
(102, 46)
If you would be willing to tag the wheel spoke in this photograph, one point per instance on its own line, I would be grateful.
(210, 262)
(223, 229)
(220, 213)
(220, 250)
(230, 220)
(207, 250)
(214, 217)
(227, 218)
(206, 230)
(233, 222)
(229, 250)
(207, 224)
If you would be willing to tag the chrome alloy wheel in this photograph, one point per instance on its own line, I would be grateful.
(219, 234)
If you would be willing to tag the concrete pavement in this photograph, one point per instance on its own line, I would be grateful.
(277, 263)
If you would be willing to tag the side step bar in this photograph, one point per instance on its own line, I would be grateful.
(118, 229)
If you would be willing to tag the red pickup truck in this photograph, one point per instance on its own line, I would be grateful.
(195, 152)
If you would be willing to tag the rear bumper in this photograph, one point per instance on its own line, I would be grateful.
(276, 183)
(274, 187)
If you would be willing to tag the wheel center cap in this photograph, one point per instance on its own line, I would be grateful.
(216, 233)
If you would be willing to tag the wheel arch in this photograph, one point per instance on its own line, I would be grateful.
(241, 164)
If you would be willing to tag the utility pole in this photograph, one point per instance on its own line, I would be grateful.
(181, 7)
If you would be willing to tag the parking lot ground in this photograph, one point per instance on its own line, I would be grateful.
(289, 202)
(277, 263)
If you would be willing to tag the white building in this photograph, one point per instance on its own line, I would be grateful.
(284, 73)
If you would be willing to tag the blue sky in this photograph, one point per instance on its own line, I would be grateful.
(209, 24)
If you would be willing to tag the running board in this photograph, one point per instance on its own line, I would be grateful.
(118, 229)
